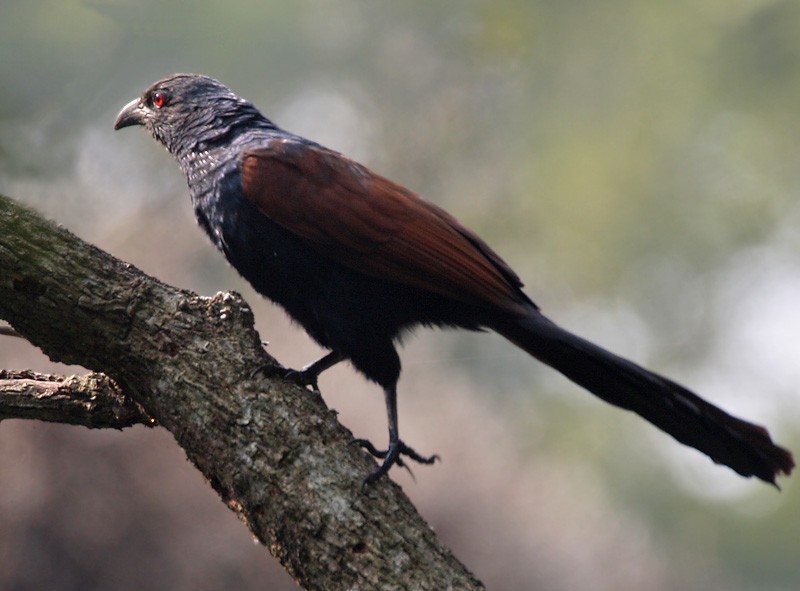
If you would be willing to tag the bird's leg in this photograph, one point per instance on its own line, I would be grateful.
(393, 454)
(306, 376)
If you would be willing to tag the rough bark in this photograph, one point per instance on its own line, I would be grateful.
(92, 400)
(272, 450)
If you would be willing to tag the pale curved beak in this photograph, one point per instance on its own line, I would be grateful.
(131, 114)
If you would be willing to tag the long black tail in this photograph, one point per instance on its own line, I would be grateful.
(744, 447)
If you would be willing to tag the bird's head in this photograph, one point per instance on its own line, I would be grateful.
(184, 111)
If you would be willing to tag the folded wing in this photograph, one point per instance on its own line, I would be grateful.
(372, 225)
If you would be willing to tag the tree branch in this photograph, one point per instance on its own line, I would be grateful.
(92, 400)
(272, 450)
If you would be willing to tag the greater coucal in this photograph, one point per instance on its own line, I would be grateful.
(359, 260)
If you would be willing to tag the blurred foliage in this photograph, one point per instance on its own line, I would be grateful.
(626, 157)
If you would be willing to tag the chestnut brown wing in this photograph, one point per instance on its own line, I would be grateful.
(372, 225)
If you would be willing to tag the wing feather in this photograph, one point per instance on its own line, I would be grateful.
(375, 226)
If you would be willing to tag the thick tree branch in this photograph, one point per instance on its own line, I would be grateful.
(272, 450)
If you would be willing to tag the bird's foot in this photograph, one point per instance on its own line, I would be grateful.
(391, 456)
(302, 377)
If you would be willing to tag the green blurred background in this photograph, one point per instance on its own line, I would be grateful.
(634, 161)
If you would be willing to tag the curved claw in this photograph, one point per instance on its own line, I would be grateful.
(367, 444)
(268, 369)
(298, 376)
(303, 377)
(392, 456)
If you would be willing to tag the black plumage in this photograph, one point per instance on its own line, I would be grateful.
(358, 260)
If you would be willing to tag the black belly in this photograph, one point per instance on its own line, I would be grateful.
(354, 314)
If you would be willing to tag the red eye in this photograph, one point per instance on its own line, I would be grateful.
(158, 99)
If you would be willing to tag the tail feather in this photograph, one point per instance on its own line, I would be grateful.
(742, 446)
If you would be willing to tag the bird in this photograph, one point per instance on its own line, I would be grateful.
(359, 261)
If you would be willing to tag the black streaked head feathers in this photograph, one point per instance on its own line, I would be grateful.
(188, 111)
